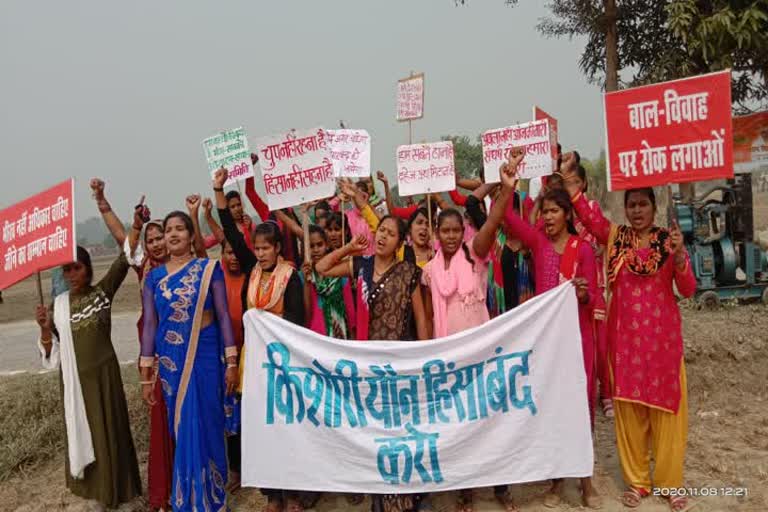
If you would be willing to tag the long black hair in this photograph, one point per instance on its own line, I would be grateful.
(454, 213)
(334, 219)
(270, 231)
(85, 258)
(185, 218)
(562, 199)
(401, 229)
(648, 191)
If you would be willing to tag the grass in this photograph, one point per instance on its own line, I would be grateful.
(32, 430)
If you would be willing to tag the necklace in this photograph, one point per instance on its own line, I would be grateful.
(377, 273)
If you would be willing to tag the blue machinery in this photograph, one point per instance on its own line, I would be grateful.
(719, 236)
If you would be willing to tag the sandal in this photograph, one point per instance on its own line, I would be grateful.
(678, 503)
(632, 496)
(464, 502)
(608, 408)
(552, 500)
(506, 501)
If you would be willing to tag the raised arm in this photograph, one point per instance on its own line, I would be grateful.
(193, 205)
(337, 263)
(261, 207)
(216, 230)
(244, 255)
(292, 225)
(593, 219)
(486, 235)
(115, 276)
(458, 198)
(113, 223)
(387, 193)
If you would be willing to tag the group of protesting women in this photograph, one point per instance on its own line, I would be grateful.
(367, 273)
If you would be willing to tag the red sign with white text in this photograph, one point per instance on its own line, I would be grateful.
(38, 233)
(672, 132)
(539, 115)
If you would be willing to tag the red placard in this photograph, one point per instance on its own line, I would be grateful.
(538, 115)
(672, 132)
(38, 233)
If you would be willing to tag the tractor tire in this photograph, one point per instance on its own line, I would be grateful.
(709, 301)
(765, 296)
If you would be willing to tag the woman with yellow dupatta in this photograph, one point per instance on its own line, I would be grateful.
(645, 340)
(270, 284)
(187, 325)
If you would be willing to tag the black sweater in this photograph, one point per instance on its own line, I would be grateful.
(293, 300)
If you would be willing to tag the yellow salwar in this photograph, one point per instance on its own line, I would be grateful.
(641, 431)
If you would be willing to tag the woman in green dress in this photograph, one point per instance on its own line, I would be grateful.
(101, 460)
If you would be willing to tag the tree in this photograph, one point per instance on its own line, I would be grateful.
(467, 156)
(658, 40)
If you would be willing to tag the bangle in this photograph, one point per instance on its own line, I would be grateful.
(146, 382)
(231, 365)
(46, 342)
(218, 189)
(137, 228)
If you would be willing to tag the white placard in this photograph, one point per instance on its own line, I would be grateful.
(533, 137)
(425, 168)
(296, 167)
(502, 403)
(229, 149)
(350, 153)
(410, 98)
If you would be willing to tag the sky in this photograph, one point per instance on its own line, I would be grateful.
(127, 91)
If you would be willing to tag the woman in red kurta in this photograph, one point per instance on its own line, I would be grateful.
(645, 339)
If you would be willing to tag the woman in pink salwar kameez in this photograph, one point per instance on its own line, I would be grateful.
(559, 255)
(645, 340)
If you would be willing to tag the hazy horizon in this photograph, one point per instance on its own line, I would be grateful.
(127, 93)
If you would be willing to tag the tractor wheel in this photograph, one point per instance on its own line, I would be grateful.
(765, 296)
(709, 301)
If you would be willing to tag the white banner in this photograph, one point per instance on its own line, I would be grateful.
(499, 404)
(350, 153)
(533, 136)
(425, 168)
(296, 167)
(229, 149)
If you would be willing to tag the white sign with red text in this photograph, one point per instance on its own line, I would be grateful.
(533, 137)
(425, 168)
(296, 167)
(229, 149)
(350, 152)
(410, 98)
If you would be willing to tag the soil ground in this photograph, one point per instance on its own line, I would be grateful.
(727, 365)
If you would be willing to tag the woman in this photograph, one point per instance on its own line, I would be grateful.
(328, 301)
(559, 255)
(387, 295)
(101, 460)
(456, 282)
(510, 276)
(271, 284)
(420, 249)
(601, 334)
(645, 341)
(333, 229)
(233, 280)
(187, 325)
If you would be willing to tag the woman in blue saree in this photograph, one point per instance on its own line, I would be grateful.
(187, 325)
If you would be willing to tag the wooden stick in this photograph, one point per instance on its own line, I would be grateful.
(305, 227)
(40, 289)
(343, 216)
